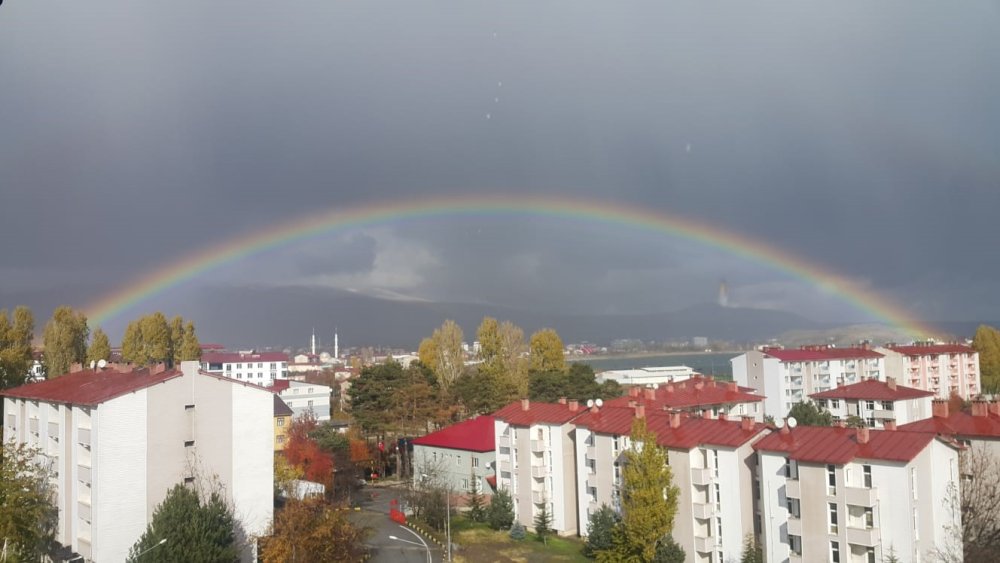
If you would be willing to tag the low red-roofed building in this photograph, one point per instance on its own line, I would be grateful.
(459, 457)
(876, 402)
(535, 461)
(117, 441)
(943, 369)
(977, 426)
(696, 395)
(789, 376)
(712, 461)
(846, 494)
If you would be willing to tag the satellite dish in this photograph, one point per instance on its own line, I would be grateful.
(590, 403)
(102, 364)
(92, 364)
(792, 423)
(599, 403)
(781, 423)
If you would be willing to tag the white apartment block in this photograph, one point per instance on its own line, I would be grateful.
(459, 457)
(878, 403)
(304, 397)
(535, 461)
(851, 495)
(977, 427)
(118, 441)
(787, 377)
(259, 368)
(942, 369)
(712, 464)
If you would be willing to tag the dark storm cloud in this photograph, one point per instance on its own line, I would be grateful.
(859, 136)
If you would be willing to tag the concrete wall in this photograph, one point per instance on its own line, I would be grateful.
(454, 468)
(253, 459)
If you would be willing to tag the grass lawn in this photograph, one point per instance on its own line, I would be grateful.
(478, 543)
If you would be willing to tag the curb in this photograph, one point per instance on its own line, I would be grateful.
(425, 534)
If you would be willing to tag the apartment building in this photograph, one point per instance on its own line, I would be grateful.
(535, 461)
(979, 426)
(259, 368)
(304, 397)
(943, 369)
(696, 395)
(876, 402)
(787, 377)
(282, 422)
(117, 441)
(459, 457)
(712, 462)
(853, 495)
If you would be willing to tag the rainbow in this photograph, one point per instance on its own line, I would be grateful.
(354, 217)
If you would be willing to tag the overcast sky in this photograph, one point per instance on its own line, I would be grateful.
(862, 136)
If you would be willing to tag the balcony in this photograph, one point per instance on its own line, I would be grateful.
(792, 488)
(539, 446)
(539, 497)
(504, 442)
(539, 471)
(701, 476)
(703, 544)
(84, 548)
(504, 465)
(83, 436)
(884, 414)
(794, 525)
(860, 496)
(702, 510)
(83, 474)
(83, 509)
(794, 557)
(862, 536)
(54, 430)
(592, 481)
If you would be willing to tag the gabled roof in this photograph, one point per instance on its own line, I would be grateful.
(473, 435)
(962, 424)
(692, 431)
(279, 385)
(536, 413)
(280, 408)
(820, 354)
(873, 390)
(696, 391)
(234, 357)
(837, 445)
(89, 387)
(932, 349)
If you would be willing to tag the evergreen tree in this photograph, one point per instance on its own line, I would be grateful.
(195, 529)
(65, 340)
(752, 552)
(600, 530)
(517, 532)
(668, 551)
(808, 414)
(987, 343)
(477, 510)
(543, 523)
(649, 499)
(501, 510)
(547, 352)
(15, 347)
(190, 347)
(100, 347)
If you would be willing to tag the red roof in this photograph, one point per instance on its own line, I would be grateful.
(279, 385)
(474, 435)
(836, 445)
(958, 424)
(873, 390)
(932, 349)
(694, 392)
(692, 431)
(89, 388)
(820, 354)
(234, 357)
(544, 413)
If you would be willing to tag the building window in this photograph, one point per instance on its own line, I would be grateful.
(795, 544)
(835, 403)
(281, 421)
(240, 366)
(869, 405)
(310, 403)
(866, 471)
(281, 438)
(869, 519)
(887, 405)
(475, 461)
(260, 365)
(831, 479)
(833, 517)
(188, 443)
(272, 366)
(465, 484)
(916, 525)
(793, 508)
(189, 480)
(870, 555)
(913, 481)
(835, 552)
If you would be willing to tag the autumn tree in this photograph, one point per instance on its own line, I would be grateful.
(443, 353)
(648, 497)
(503, 356)
(547, 352)
(65, 341)
(151, 339)
(156, 338)
(807, 413)
(979, 504)
(100, 347)
(28, 517)
(190, 347)
(311, 530)
(195, 529)
(176, 338)
(304, 453)
(987, 343)
(15, 347)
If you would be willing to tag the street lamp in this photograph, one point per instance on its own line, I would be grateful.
(422, 542)
(145, 551)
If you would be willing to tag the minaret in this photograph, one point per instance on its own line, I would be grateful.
(314, 342)
(336, 345)
(723, 294)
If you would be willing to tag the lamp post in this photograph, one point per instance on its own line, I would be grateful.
(145, 551)
(422, 542)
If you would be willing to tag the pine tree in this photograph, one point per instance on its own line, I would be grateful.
(65, 340)
(752, 553)
(517, 532)
(195, 529)
(543, 524)
(100, 347)
(501, 511)
(477, 510)
(600, 530)
(669, 551)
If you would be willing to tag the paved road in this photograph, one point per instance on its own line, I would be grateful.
(374, 513)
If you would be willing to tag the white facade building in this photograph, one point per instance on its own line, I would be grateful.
(118, 441)
(646, 376)
(942, 369)
(259, 368)
(787, 377)
(458, 457)
(850, 495)
(304, 397)
(876, 402)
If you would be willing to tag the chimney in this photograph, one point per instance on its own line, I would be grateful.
(939, 408)
(889, 425)
(158, 368)
(670, 387)
(732, 386)
(632, 404)
(746, 423)
(863, 435)
(675, 419)
(980, 408)
(784, 428)
(995, 407)
(711, 381)
(594, 409)
(525, 404)
(723, 416)
(891, 382)
(574, 405)
(699, 385)
(640, 411)
(682, 385)
(562, 400)
(706, 414)
(649, 393)
(840, 423)
(633, 391)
